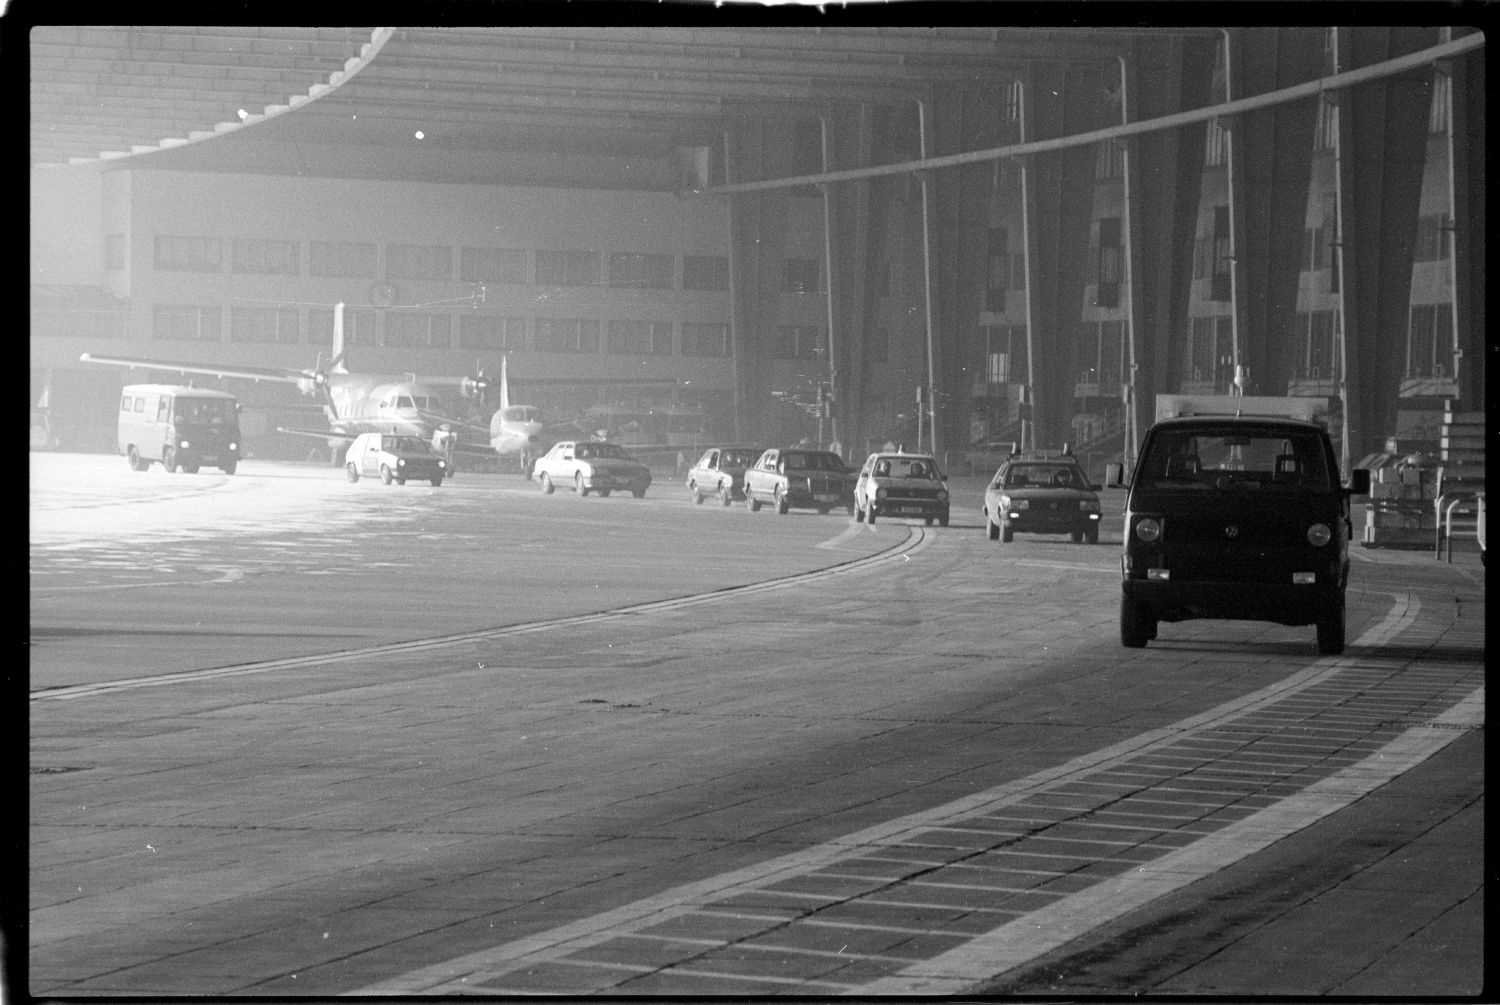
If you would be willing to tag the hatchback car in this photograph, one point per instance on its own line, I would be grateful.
(591, 466)
(393, 458)
(901, 485)
(796, 478)
(721, 472)
(1042, 494)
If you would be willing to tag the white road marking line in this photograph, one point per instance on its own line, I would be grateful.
(488, 965)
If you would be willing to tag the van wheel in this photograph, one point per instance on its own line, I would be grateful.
(352, 471)
(1076, 537)
(943, 520)
(638, 493)
(191, 469)
(1331, 631)
(437, 480)
(385, 474)
(1092, 535)
(1136, 628)
(228, 468)
(137, 462)
(169, 460)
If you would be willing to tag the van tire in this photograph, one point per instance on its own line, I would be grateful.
(137, 462)
(1136, 629)
(1331, 631)
(169, 460)
(437, 480)
(351, 470)
(191, 469)
(385, 474)
(228, 469)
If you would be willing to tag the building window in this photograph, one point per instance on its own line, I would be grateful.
(705, 340)
(264, 257)
(801, 275)
(799, 342)
(1005, 354)
(1109, 160)
(486, 333)
(359, 327)
(1216, 150)
(997, 270)
(1317, 355)
(640, 271)
(341, 259)
(264, 324)
(639, 338)
(1010, 102)
(492, 265)
(189, 254)
(114, 251)
(1431, 231)
(418, 330)
(1209, 358)
(1429, 343)
(705, 272)
(567, 335)
(567, 268)
(419, 261)
(1439, 119)
(186, 322)
(1109, 264)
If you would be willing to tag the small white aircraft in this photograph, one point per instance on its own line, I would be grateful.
(515, 429)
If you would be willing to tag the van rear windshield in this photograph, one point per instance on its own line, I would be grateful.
(1256, 461)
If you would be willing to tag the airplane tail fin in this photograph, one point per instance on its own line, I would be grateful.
(504, 386)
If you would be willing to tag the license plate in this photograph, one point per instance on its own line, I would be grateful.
(825, 498)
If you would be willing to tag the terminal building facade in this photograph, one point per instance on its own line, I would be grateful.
(776, 282)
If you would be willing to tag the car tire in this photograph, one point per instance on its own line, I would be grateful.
(169, 460)
(1331, 630)
(859, 514)
(385, 474)
(133, 457)
(547, 487)
(697, 496)
(351, 471)
(726, 494)
(870, 515)
(991, 528)
(229, 468)
(578, 485)
(604, 493)
(782, 505)
(1136, 629)
(437, 480)
(1007, 535)
(752, 502)
(927, 521)
(943, 520)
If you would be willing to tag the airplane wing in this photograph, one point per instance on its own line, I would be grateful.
(324, 435)
(245, 372)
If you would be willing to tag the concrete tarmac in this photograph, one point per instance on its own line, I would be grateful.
(869, 782)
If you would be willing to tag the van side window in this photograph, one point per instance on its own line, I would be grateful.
(163, 408)
(140, 405)
(125, 403)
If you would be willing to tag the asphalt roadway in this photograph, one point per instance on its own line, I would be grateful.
(295, 737)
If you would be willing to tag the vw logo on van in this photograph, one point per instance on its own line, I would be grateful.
(1231, 532)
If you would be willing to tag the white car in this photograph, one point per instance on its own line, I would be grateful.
(591, 466)
(393, 458)
(900, 484)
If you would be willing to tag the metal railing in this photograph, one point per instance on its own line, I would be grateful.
(1468, 505)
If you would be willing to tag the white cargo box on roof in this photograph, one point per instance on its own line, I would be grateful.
(1311, 409)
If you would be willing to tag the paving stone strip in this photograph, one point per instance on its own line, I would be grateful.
(937, 902)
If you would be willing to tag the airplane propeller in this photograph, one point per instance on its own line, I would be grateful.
(475, 387)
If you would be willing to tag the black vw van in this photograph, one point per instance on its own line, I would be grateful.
(1236, 517)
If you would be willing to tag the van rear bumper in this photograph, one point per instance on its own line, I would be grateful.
(1286, 604)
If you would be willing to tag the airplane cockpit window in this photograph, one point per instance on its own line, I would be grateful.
(519, 413)
(404, 401)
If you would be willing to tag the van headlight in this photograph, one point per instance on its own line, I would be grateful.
(1148, 529)
(1318, 535)
(184, 445)
(401, 462)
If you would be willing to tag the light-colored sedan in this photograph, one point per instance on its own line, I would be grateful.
(721, 472)
(901, 484)
(591, 466)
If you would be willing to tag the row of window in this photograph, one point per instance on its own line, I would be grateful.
(466, 332)
(435, 263)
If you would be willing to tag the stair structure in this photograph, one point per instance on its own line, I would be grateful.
(1460, 488)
